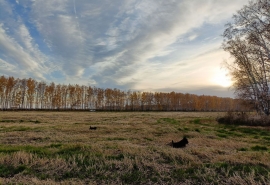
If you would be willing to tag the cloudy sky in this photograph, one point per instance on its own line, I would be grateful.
(146, 45)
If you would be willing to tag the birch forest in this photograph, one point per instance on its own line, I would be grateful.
(29, 94)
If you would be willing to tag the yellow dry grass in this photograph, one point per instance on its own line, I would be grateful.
(129, 148)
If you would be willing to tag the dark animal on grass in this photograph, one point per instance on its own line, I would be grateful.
(92, 128)
(180, 144)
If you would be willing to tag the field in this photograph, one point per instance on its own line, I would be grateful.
(130, 148)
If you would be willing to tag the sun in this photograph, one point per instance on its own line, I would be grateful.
(222, 79)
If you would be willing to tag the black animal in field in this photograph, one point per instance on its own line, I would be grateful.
(92, 128)
(180, 144)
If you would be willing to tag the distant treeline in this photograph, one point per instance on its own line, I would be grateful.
(28, 94)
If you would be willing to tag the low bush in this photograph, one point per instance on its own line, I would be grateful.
(242, 118)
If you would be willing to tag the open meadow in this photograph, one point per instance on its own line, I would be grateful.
(130, 148)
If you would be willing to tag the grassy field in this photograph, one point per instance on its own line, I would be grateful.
(130, 148)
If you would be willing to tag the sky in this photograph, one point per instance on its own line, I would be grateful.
(144, 45)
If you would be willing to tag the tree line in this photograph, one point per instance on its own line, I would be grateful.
(33, 95)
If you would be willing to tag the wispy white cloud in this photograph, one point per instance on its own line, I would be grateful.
(7, 67)
(21, 54)
(159, 32)
(192, 37)
(133, 44)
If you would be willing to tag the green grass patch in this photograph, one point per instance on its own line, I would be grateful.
(196, 121)
(20, 121)
(201, 121)
(35, 121)
(148, 139)
(20, 129)
(9, 171)
(116, 139)
(184, 173)
(256, 137)
(222, 135)
(168, 120)
(56, 145)
(243, 169)
(135, 176)
(185, 129)
(118, 157)
(42, 151)
(266, 138)
(70, 150)
(264, 133)
(232, 132)
(259, 148)
(8, 121)
(242, 149)
(253, 131)
(73, 149)
(47, 151)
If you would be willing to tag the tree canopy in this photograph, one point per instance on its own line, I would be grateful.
(247, 39)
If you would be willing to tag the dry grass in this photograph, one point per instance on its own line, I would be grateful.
(130, 148)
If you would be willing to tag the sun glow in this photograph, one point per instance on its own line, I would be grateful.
(222, 79)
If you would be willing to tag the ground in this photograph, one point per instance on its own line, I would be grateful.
(130, 148)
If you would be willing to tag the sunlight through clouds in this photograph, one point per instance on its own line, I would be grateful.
(221, 78)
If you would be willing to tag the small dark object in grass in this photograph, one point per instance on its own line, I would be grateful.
(37, 122)
(180, 144)
(92, 128)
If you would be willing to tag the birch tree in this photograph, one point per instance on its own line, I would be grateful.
(247, 39)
